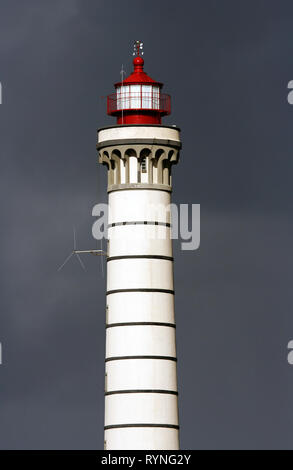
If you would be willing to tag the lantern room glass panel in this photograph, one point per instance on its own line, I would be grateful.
(118, 97)
(156, 97)
(135, 96)
(123, 97)
(146, 96)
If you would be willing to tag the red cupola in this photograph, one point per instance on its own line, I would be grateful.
(138, 99)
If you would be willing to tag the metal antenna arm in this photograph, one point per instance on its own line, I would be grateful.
(92, 252)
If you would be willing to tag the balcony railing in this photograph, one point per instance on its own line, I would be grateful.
(159, 102)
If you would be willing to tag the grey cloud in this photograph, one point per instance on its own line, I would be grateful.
(227, 65)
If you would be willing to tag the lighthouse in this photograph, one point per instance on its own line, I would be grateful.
(141, 394)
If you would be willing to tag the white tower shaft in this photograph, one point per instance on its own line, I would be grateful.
(141, 409)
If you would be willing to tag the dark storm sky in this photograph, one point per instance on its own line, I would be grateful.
(227, 64)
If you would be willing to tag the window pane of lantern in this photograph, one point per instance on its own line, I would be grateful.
(156, 97)
(124, 97)
(146, 96)
(118, 95)
(135, 96)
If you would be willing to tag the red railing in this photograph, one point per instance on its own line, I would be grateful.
(159, 102)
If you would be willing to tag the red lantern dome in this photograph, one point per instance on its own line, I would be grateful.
(138, 99)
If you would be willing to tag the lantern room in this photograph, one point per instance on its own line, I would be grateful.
(138, 99)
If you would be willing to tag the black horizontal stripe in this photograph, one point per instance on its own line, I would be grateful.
(141, 425)
(117, 291)
(141, 323)
(166, 258)
(139, 222)
(125, 187)
(116, 392)
(122, 358)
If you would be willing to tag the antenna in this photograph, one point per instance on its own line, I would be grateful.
(122, 73)
(102, 261)
(79, 252)
(138, 48)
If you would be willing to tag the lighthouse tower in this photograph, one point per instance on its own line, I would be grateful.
(141, 397)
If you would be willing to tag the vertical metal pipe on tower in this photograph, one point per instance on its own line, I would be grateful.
(141, 397)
